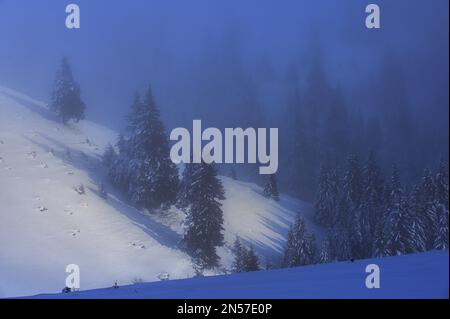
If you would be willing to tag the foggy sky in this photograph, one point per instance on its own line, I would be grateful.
(183, 47)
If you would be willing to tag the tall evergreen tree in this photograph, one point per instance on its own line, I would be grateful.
(239, 256)
(324, 256)
(372, 203)
(66, 100)
(398, 233)
(327, 199)
(154, 177)
(119, 170)
(251, 260)
(300, 246)
(426, 204)
(441, 208)
(109, 156)
(419, 241)
(204, 215)
(351, 207)
(271, 188)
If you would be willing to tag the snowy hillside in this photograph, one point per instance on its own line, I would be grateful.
(422, 275)
(45, 224)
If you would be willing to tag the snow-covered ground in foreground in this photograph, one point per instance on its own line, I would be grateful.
(46, 225)
(422, 275)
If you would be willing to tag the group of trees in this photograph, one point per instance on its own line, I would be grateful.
(245, 259)
(140, 166)
(368, 216)
(66, 100)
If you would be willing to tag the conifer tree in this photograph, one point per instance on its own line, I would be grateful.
(66, 100)
(441, 208)
(322, 209)
(300, 246)
(154, 177)
(372, 203)
(251, 260)
(426, 204)
(324, 256)
(109, 156)
(351, 207)
(271, 188)
(204, 215)
(239, 255)
(119, 170)
(398, 232)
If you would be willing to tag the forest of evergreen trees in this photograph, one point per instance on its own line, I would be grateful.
(369, 215)
(366, 212)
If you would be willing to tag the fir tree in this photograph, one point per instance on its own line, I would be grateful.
(324, 256)
(441, 208)
(154, 177)
(251, 260)
(204, 215)
(239, 256)
(372, 203)
(419, 240)
(119, 171)
(397, 232)
(322, 209)
(351, 207)
(441, 238)
(427, 206)
(300, 246)
(66, 100)
(109, 156)
(184, 195)
(271, 188)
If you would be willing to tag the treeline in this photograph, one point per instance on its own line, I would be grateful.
(140, 166)
(368, 215)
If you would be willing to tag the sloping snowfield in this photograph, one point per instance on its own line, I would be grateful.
(45, 224)
(422, 275)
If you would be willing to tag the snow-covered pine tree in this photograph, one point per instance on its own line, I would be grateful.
(398, 233)
(441, 208)
(322, 212)
(251, 260)
(66, 100)
(351, 207)
(239, 256)
(324, 254)
(154, 177)
(327, 198)
(119, 170)
(204, 215)
(271, 188)
(426, 205)
(417, 220)
(300, 246)
(339, 243)
(185, 189)
(372, 203)
(109, 156)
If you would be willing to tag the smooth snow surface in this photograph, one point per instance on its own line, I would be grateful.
(422, 275)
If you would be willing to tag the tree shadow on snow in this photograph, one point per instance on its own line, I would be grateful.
(97, 176)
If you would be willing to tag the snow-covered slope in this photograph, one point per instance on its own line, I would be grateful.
(422, 275)
(46, 225)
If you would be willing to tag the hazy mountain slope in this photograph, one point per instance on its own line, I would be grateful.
(45, 224)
